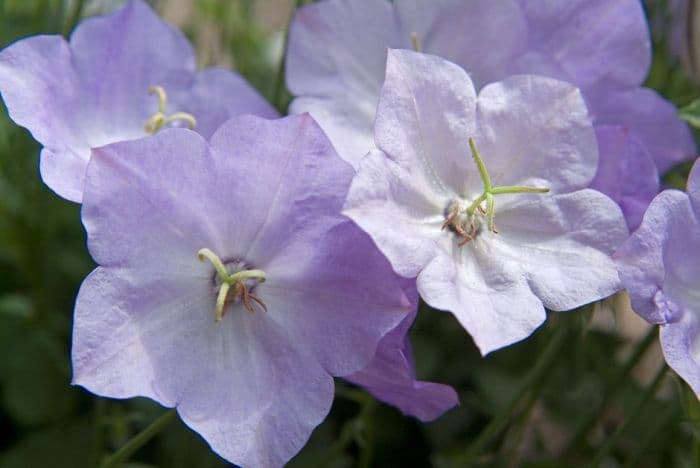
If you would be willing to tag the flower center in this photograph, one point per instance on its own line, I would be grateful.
(234, 283)
(160, 119)
(465, 219)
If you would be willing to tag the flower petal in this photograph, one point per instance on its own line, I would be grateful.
(563, 245)
(294, 193)
(340, 81)
(488, 296)
(238, 382)
(338, 298)
(679, 342)
(660, 253)
(40, 88)
(390, 377)
(626, 172)
(425, 117)
(403, 221)
(216, 95)
(650, 118)
(455, 30)
(591, 41)
(531, 126)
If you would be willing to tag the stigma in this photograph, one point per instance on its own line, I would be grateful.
(160, 118)
(465, 218)
(234, 284)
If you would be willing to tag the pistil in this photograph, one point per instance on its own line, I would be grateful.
(160, 119)
(456, 217)
(233, 286)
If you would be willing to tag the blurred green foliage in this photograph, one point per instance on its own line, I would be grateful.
(566, 415)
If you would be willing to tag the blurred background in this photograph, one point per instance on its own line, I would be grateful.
(588, 387)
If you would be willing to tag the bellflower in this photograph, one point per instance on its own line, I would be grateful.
(495, 236)
(601, 46)
(659, 265)
(231, 291)
(120, 76)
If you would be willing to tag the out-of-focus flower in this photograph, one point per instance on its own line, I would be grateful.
(288, 292)
(495, 239)
(601, 46)
(120, 76)
(660, 265)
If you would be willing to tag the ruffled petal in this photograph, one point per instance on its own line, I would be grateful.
(486, 294)
(536, 129)
(387, 202)
(563, 245)
(660, 254)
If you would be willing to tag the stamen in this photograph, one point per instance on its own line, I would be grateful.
(488, 196)
(416, 42)
(160, 119)
(233, 285)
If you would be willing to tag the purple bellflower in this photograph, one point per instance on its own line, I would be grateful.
(660, 265)
(229, 290)
(495, 236)
(120, 76)
(600, 46)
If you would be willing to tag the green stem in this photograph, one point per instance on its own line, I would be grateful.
(518, 189)
(139, 440)
(532, 379)
(485, 179)
(587, 424)
(279, 81)
(634, 413)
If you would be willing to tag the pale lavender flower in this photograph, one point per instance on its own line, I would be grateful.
(119, 77)
(288, 292)
(660, 266)
(601, 46)
(434, 212)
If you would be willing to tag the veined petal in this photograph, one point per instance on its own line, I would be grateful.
(240, 385)
(531, 126)
(425, 116)
(390, 205)
(487, 295)
(563, 245)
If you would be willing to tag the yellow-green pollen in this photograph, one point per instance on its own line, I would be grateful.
(233, 286)
(160, 119)
(463, 221)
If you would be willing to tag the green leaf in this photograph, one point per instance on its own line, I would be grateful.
(691, 113)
